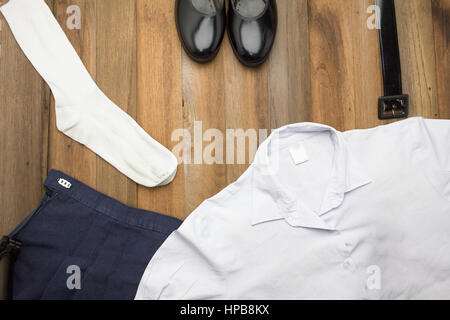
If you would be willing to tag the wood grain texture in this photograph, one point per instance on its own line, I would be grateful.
(23, 127)
(441, 29)
(203, 109)
(159, 95)
(116, 76)
(246, 108)
(332, 62)
(66, 154)
(324, 67)
(345, 64)
(289, 85)
(415, 33)
(368, 82)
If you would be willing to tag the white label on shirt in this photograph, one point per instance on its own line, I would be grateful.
(298, 154)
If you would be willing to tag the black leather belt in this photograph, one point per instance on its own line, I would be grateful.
(394, 104)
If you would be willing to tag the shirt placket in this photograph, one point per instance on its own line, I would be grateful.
(351, 265)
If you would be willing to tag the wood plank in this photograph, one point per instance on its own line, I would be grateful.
(332, 62)
(23, 126)
(66, 154)
(116, 76)
(367, 75)
(204, 109)
(346, 69)
(289, 87)
(159, 95)
(441, 28)
(246, 102)
(416, 40)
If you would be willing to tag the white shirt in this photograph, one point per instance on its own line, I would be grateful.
(321, 214)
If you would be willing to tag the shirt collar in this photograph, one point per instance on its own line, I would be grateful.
(273, 201)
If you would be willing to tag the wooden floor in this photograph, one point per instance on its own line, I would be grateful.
(324, 68)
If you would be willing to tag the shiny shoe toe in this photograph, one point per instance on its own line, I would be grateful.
(252, 26)
(201, 27)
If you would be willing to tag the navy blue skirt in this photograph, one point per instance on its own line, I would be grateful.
(81, 244)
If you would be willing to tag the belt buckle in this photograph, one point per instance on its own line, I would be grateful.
(393, 107)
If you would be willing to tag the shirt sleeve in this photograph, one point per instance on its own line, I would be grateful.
(439, 131)
(191, 262)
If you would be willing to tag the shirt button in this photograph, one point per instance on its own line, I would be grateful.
(349, 265)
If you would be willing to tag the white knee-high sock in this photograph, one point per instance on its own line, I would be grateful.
(83, 111)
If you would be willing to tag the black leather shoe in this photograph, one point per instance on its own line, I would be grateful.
(252, 26)
(201, 26)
